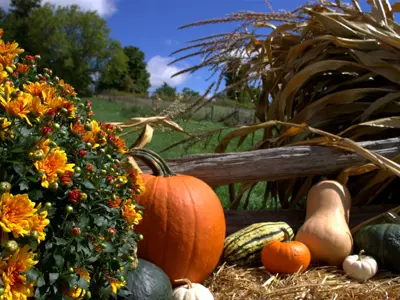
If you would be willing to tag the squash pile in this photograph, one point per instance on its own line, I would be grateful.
(184, 237)
(324, 239)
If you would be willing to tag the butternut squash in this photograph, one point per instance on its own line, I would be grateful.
(326, 231)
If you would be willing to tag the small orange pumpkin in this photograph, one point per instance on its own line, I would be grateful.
(285, 256)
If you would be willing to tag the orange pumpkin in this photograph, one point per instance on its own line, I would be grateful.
(183, 222)
(285, 256)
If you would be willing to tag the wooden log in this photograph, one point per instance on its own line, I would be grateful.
(218, 169)
(238, 219)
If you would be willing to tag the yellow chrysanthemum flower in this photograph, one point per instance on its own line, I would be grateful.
(93, 136)
(74, 293)
(44, 145)
(18, 107)
(38, 109)
(83, 273)
(11, 270)
(36, 89)
(10, 48)
(16, 213)
(129, 213)
(5, 131)
(116, 285)
(3, 76)
(53, 164)
(39, 223)
(67, 87)
(7, 62)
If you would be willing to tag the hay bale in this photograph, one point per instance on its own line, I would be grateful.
(231, 282)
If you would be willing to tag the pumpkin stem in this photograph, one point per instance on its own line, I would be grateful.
(286, 237)
(187, 281)
(359, 254)
(154, 161)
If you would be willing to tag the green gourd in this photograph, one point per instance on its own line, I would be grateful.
(381, 241)
(147, 282)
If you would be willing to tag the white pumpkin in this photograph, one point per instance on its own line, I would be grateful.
(360, 267)
(191, 291)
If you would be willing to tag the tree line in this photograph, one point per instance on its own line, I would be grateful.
(76, 45)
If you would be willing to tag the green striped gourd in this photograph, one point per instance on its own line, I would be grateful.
(244, 246)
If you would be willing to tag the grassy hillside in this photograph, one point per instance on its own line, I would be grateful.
(111, 112)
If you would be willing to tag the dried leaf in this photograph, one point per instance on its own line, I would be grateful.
(396, 7)
(144, 138)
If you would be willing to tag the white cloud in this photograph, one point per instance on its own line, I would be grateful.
(104, 8)
(160, 72)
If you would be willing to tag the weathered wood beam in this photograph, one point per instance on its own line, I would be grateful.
(238, 219)
(276, 163)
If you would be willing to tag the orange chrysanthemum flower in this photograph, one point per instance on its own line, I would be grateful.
(78, 128)
(130, 214)
(16, 214)
(66, 178)
(114, 203)
(22, 68)
(13, 277)
(54, 163)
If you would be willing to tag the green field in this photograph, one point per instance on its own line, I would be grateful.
(108, 111)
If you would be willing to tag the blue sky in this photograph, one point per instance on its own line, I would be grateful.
(152, 25)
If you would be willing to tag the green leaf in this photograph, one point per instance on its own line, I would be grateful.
(60, 241)
(32, 275)
(124, 292)
(87, 184)
(83, 283)
(35, 195)
(110, 248)
(18, 150)
(93, 259)
(53, 277)
(23, 186)
(40, 281)
(19, 169)
(99, 220)
(59, 259)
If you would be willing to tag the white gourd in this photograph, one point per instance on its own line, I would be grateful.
(360, 267)
(191, 291)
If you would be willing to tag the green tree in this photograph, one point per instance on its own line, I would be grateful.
(137, 70)
(166, 90)
(16, 23)
(75, 44)
(23, 8)
(189, 93)
(114, 74)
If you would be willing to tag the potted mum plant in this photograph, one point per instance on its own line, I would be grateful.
(67, 208)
